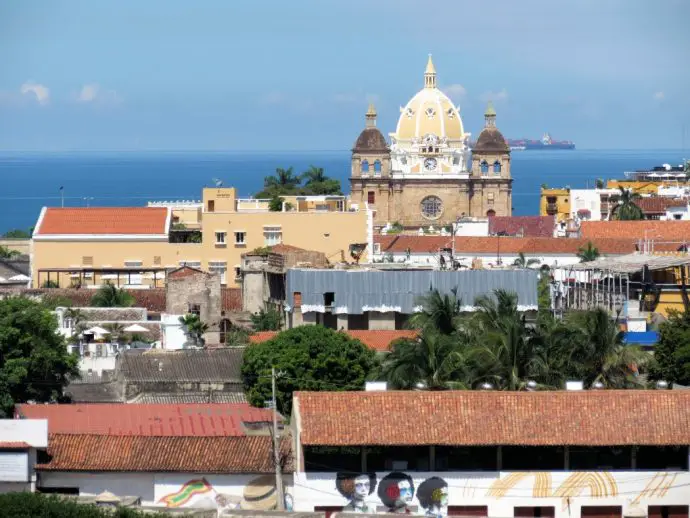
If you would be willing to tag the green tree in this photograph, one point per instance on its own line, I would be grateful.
(266, 320)
(672, 352)
(110, 296)
(6, 253)
(117, 330)
(17, 234)
(194, 328)
(276, 204)
(283, 180)
(330, 186)
(433, 361)
(627, 210)
(588, 254)
(306, 358)
(599, 183)
(313, 175)
(50, 284)
(440, 312)
(601, 354)
(522, 262)
(34, 362)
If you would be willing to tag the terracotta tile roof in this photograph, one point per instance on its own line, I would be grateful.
(184, 271)
(161, 454)
(378, 340)
(103, 220)
(221, 365)
(658, 204)
(181, 420)
(468, 245)
(649, 229)
(14, 445)
(525, 226)
(607, 417)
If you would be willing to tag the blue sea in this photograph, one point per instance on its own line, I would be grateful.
(29, 181)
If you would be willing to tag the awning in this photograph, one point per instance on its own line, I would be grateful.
(644, 338)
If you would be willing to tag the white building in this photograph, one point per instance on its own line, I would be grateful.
(500, 454)
(19, 442)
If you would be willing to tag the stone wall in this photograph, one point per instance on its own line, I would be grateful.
(202, 290)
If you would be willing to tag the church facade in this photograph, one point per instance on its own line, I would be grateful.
(428, 175)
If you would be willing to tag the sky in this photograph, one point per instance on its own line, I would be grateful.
(228, 75)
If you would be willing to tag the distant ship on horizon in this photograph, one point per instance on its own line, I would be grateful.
(546, 143)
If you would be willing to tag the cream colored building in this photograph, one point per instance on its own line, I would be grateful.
(428, 175)
(135, 246)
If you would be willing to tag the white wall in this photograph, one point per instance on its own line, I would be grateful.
(97, 364)
(472, 228)
(672, 213)
(172, 332)
(589, 199)
(488, 259)
(163, 489)
(567, 492)
(31, 431)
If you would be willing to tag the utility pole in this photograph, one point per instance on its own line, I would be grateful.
(276, 451)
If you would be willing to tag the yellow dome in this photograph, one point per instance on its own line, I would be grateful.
(430, 112)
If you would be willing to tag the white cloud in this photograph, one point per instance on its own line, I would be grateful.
(39, 91)
(658, 96)
(494, 96)
(456, 91)
(92, 92)
(355, 98)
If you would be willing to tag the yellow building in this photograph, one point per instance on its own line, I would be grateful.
(555, 202)
(428, 176)
(134, 246)
(636, 186)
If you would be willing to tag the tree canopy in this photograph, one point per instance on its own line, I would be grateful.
(34, 362)
(496, 345)
(672, 352)
(6, 253)
(17, 234)
(306, 358)
(266, 320)
(627, 209)
(285, 183)
(588, 253)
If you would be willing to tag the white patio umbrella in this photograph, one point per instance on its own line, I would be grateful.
(97, 331)
(135, 328)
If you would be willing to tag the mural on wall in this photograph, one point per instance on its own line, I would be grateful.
(396, 492)
(356, 488)
(259, 494)
(657, 487)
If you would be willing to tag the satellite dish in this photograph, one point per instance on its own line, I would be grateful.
(217, 182)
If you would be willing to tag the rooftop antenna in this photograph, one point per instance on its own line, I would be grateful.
(217, 182)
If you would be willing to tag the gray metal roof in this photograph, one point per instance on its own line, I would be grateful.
(632, 263)
(202, 366)
(358, 291)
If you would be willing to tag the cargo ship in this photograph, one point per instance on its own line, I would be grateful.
(546, 143)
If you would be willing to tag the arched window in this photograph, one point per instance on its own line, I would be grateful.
(490, 213)
(365, 166)
(225, 328)
(377, 166)
(484, 166)
(497, 166)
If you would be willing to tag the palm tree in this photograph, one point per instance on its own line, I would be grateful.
(109, 296)
(439, 312)
(523, 262)
(314, 175)
(194, 328)
(283, 180)
(601, 353)
(588, 253)
(627, 210)
(116, 330)
(433, 361)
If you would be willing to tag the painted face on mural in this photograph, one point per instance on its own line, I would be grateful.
(406, 491)
(362, 487)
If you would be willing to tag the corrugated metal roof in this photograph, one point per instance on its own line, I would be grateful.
(632, 263)
(358, 291)
(191, 397)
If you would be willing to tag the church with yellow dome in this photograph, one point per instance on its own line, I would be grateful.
(428, 175)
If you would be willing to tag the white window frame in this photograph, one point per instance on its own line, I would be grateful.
(243, 234)
(137, 278)
(273, 230)
(191, 264)
(238, 271)
(221, 237)
(220, 267)
(377, 248)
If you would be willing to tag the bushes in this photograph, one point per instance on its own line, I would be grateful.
(32, 505)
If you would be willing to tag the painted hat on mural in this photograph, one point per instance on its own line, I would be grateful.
(260, 494)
